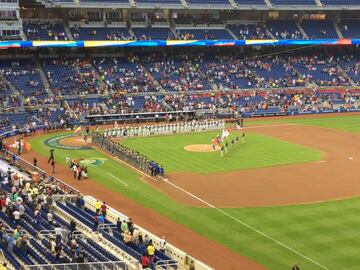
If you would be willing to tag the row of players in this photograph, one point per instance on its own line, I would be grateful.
(165, 129)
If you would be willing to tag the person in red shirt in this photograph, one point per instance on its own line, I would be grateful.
(3, 203)
(79, 172)
(145, 260)
(103, 209)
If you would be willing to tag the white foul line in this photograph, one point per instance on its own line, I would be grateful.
(274, 125)
(245, 224)
(136, 169)
(117, 179)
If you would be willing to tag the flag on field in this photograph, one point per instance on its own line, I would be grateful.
(77, 130)
(225, 134)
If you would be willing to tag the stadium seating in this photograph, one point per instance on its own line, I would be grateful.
(319, 29)
(44, 31)
(248, 31)
(100, 33)
(86, 217)
(7, 98)
(72, 76)
(350, 28)
(152, 33)
(284, 29)
(125, 75)
(24, 75)
(352, 67)
(340, 2)
(178, 73)
(208, 33)
(320, 71)
(37, 233)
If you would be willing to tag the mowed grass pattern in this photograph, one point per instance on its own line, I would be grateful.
(344, 123)
(349, 123)
(328, 233)
(258, 151)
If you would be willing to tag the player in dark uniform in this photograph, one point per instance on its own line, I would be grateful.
(51, 158)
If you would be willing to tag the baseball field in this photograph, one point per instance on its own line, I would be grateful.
(286, 194)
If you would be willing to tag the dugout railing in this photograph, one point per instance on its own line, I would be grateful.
(32, 170)
(115, 265)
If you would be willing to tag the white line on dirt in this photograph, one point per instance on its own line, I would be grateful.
(274, 125)
(117, 179)
(244, 224)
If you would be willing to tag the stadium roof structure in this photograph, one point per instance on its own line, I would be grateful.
(209, 4)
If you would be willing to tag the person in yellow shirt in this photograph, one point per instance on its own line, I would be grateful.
(97, 207)
(150, 249)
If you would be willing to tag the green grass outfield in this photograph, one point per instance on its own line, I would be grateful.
(258, 151)
(328, 233)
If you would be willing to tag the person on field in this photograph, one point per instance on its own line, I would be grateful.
(74, 169)
(213, 143)
(51, 158)
(295, 267)
(85, 173)
(53, 166)
(68, 161)
(222, 151)
(78, 172)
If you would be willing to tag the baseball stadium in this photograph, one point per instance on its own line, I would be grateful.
(179, 134)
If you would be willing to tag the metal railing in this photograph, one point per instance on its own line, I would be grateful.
(115, 265)
(22, 163)
(166, 265)
(69, 190)
(106, 226)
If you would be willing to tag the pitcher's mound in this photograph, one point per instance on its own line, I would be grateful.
(201, 148)
(77, 141)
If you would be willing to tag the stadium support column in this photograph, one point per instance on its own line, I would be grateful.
(125, 14)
